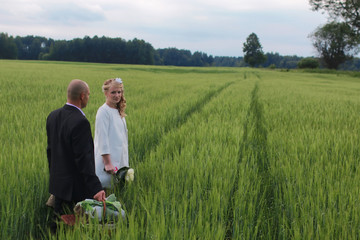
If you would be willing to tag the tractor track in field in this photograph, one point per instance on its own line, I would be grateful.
(181, 119)
(254, 144)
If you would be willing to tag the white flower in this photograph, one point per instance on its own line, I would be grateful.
(130, 175)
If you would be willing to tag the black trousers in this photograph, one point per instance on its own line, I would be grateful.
(61, 207)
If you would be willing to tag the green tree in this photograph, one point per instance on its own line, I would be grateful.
(308, 63)
(8, 49)
(335, 43)
(32, 47)
(254, 54)
(196, 59)
(348, 10)
(140, 52)
(175, 57)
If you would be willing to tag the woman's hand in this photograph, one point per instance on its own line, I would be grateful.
(108, 166)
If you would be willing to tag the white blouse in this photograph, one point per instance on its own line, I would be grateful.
(111, 137)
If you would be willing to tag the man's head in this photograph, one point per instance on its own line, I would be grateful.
(78, 93)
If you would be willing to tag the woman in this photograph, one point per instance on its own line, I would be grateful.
(111, 137)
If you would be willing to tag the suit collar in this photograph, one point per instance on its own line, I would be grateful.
(71, 106)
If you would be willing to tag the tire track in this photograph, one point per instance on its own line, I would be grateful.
(254, 145)
(181, 119)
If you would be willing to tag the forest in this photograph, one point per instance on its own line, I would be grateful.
(118, 50)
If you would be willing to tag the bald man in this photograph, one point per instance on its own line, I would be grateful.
(70, 151)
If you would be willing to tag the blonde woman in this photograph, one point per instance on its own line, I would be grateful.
(111, 136)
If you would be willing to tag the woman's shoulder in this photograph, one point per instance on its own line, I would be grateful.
(102, 110)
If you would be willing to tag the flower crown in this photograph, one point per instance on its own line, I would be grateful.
(118, 80)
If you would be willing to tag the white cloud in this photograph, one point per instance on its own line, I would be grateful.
(66, 14)
(212, 26)
(245, 5)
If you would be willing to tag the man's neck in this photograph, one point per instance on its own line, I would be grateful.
(70, 104)
(75, 103)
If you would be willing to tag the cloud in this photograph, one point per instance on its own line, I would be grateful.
(215, 27)
(73, 13)
(65, 12)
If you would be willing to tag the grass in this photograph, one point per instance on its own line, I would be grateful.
(219, 153)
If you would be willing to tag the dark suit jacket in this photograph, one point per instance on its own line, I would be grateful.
(70, 154)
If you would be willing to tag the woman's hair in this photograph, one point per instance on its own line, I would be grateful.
(116, 82)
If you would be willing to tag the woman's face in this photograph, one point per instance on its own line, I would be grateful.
(113, 95)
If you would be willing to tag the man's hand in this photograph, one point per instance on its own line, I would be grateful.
(100, 196)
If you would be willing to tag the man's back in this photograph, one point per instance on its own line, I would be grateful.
(71, 155)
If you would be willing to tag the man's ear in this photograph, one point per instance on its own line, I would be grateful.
(82, 95)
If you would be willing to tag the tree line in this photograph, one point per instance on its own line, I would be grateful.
(97, 49)
(117, 50)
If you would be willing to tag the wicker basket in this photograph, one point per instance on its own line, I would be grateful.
(71, 219)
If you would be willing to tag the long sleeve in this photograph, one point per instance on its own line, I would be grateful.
(102, 132)
(84, 155)
(48, 148)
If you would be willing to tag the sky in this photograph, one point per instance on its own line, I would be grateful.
(215, 27)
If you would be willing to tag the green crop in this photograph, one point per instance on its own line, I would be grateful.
(218, 153)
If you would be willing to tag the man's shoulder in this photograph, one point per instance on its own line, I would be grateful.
(55, 112)
(67, 113)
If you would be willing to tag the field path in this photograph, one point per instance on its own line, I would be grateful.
(181, 119)
(254, 151)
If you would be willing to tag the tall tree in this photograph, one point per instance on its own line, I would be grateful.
(254, 54)
(8, 48)
(348, 10)
(335, 43)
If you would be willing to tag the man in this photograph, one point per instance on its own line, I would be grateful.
(70, 151)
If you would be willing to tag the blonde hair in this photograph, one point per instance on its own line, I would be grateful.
(121, 105)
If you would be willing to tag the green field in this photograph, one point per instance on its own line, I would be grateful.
(218, 153)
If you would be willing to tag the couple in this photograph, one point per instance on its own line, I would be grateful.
(74, 174)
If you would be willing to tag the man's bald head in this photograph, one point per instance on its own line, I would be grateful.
(76, 88)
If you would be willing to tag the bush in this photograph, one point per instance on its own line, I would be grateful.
(272, 66)
(308, 63)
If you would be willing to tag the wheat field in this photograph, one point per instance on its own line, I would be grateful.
(218, 153)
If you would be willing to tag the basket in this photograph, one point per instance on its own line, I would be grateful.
(70, 219)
